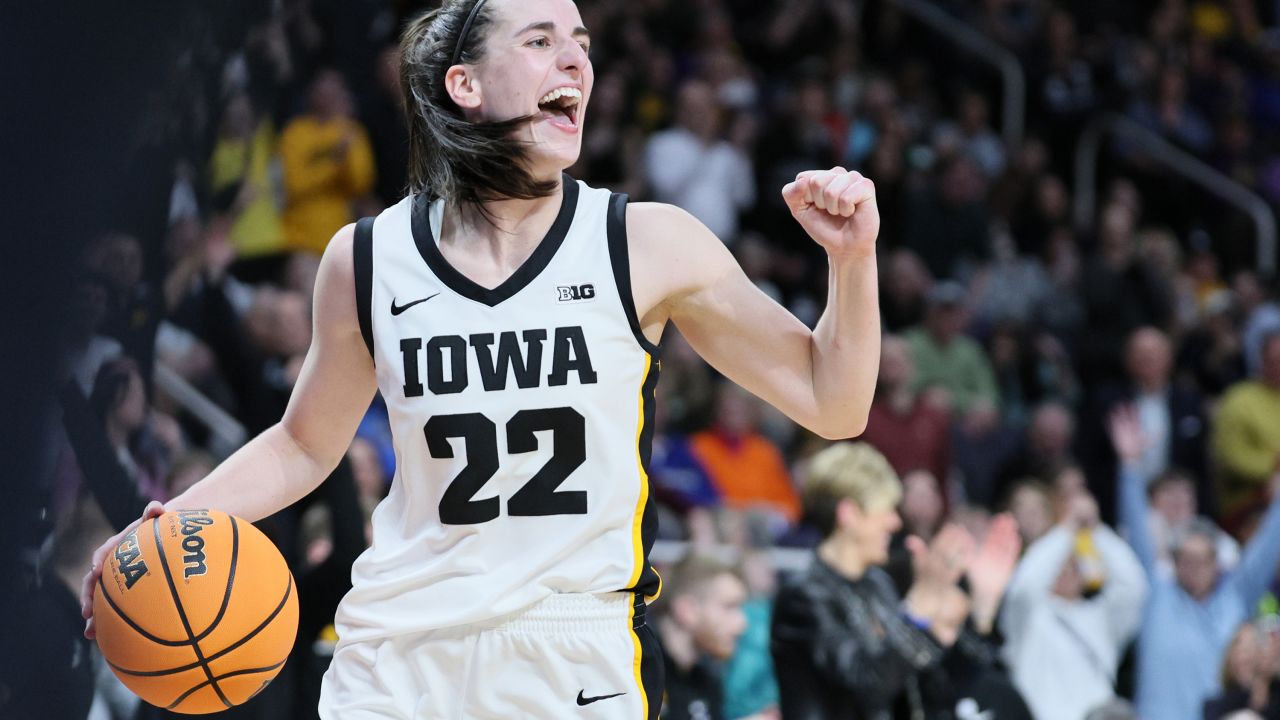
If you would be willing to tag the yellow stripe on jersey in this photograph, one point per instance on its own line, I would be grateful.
(637, 541)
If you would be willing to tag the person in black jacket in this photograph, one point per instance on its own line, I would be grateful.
(846, 645)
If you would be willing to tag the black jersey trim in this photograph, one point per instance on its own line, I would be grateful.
(620, 258)
(362, 248)
(465, 286)
(648, 582)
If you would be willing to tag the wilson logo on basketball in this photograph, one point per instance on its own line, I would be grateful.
(191, 523)
(129, 557)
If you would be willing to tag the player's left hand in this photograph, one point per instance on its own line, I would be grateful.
(837, 208)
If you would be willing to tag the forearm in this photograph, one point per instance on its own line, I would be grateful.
(1133, 514)
(268, 474)
(845, 346)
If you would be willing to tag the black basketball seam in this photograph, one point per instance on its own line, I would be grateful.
(182, 614)
(288, 590)
(214, 680)
(134, 625)
(231, 576)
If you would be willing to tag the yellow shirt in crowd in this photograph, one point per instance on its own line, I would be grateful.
(321, 181)
(235, 163)
(1246, 441)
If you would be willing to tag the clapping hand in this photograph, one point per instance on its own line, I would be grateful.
(938, 566)
(992, 567)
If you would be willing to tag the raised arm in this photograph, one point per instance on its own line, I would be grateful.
(1127, 439)
(1125, 589)
(1033, 579)
(822, 379)
(291, 458)
(1258, 561)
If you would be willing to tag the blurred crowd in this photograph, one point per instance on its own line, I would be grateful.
(1065, 501)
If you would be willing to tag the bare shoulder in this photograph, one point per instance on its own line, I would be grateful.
(335, 292)
(672, 252)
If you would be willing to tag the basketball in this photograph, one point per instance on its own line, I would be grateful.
(196, 611)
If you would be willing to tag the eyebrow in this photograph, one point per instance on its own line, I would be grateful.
(548, 26)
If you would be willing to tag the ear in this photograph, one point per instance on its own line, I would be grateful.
(848, 514)
(684, 610)
(463, 87)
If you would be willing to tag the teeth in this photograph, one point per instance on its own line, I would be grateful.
(559, 93)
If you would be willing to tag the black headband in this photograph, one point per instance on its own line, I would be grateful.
(466, 30)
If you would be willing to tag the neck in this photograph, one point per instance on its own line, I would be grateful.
(843, 557)
(678, 644)
(504, 226)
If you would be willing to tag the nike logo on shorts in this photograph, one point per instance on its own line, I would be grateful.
(588, 700)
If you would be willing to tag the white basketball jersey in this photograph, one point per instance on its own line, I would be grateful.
(522, 418)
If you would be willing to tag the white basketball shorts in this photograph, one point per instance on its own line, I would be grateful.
(569, 656)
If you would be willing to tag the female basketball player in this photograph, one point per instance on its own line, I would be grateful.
(510, 317)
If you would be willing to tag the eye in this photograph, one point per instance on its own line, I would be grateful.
(586, 47)
(539, 42)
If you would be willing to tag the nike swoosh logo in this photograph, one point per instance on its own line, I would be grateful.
(397, 309)
(589, 700)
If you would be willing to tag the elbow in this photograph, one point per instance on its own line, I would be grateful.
(841, 429)
(844, 426)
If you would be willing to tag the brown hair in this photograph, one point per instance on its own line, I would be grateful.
(449, 156)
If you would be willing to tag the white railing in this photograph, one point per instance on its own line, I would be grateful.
(1177, 160)
(227, 434)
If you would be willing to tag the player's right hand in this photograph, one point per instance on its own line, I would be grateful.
(153, 509)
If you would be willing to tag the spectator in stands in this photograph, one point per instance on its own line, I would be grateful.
(700, 622)
(1172, 495)
(746, 468)
(946, 221)
(692, 167)
(1121, 294)
(1046, 447)
(1169, 114)
(240, 178)
(1031, 503)
(946, 358)
(903, 291)
(134, 307)
(978, 140)
(1260, 312)
(911, 433)
(120, 401)
(750, 684)
(1063, 644)
(1172, 416)
(1250, 674)
(1246, 437)
(844, 642)
(328, 165)
(1190, 618)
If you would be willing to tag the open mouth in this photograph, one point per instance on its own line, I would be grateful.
(561, 107)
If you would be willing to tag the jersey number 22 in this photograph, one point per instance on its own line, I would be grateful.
(539, 496)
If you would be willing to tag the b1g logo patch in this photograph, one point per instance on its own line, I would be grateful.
(575, 293)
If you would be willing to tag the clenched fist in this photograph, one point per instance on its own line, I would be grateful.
(837, 208)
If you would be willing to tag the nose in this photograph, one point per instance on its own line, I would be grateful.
(572, 57)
